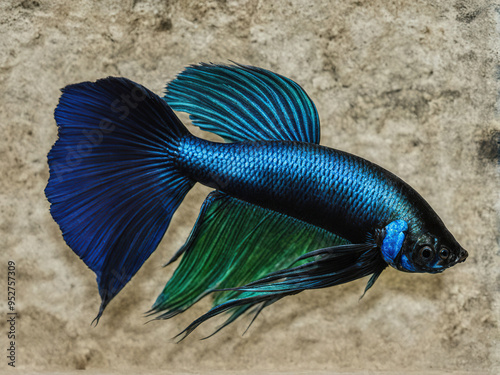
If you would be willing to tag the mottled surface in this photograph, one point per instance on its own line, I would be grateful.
(410, 85)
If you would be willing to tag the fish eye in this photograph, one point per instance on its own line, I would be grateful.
(426, 252)
(444, 253)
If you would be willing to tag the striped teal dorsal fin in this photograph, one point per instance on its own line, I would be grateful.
(233, 244)
(244, 103)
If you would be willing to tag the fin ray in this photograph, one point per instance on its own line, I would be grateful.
(237, 243)
(319, 274)
(244, 103)
(113, 184)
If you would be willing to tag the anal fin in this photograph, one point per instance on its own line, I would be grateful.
(250, 257)
(232, 244)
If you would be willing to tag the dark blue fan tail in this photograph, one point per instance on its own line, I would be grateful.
(114, 184)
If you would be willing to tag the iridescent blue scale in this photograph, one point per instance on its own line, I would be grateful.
(331, 189)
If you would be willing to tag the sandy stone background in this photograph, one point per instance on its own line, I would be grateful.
(410, 85)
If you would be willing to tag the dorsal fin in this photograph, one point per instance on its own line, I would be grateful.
(244, 103)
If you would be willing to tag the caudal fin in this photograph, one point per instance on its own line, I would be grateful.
(113, 183)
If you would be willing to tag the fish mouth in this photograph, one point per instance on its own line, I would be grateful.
(462, 256)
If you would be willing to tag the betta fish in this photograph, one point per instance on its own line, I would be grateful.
(286, 214)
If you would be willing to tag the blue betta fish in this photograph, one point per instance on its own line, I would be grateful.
(286, 214)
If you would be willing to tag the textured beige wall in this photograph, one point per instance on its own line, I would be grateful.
(410, 85)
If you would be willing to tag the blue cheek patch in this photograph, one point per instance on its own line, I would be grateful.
(393, 241)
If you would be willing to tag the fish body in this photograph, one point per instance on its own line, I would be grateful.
(286, 215)
(331, 189)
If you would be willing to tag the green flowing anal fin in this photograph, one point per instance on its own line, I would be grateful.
(233, 244)
(330, 266)
(244, 103)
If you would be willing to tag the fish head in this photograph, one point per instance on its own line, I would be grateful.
(434, 253)
(419, 251)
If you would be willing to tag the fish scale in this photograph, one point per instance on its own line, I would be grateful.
(353, 193)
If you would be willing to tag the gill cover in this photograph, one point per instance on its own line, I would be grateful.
(392, 243)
